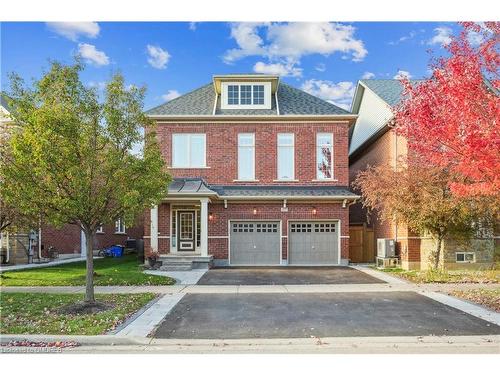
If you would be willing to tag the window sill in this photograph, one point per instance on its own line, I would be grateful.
(245, 180)
(188, 167)
(99, 233)
(120, 233)
(293, 180)
(325, 180)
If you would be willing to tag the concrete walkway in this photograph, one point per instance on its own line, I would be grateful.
(182, 277)
(57, 262)
(319, 288)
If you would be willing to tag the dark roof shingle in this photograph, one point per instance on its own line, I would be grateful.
(291, 101)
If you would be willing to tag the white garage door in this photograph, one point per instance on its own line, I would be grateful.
(313, 243)
(255, 243)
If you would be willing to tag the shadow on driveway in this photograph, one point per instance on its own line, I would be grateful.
(285, 276)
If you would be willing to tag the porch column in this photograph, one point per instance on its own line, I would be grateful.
(154, 229)
(204, 227)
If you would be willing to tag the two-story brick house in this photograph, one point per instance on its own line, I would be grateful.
(260, 174)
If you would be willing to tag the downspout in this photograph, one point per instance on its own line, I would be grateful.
(8, 248)
(40, 240)
(395, 168)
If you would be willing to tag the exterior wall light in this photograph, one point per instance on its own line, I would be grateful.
(314, 211)
(210, 216)
(254, 211)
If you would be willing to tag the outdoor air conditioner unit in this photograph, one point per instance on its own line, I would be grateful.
(385, 248)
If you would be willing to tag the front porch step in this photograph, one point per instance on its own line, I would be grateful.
(172, 262)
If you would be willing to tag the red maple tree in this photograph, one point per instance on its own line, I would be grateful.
(452, 119)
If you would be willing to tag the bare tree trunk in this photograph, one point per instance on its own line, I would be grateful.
(89, 281)
(437, 254)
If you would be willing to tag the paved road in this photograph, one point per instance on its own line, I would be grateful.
(234, 316)
(286, 276)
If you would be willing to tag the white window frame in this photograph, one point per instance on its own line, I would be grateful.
(224, 95)
(464, 253)
(292, 146)
(118, 227)
(318, 176)
(240, 178)
(189, 135)
(100, 229)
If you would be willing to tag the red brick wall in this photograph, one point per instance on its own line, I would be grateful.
(67, 239)
(383, 151)
(218, 226)
(222, 141)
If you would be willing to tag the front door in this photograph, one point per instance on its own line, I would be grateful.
(186, 230)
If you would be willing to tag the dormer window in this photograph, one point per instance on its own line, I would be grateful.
(246, 95)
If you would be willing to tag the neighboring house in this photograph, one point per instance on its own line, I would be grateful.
(260, 174)
(68, 240)
(373, 142)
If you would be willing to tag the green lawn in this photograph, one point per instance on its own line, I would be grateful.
(36, 313)
(444, 276)
(109, 271)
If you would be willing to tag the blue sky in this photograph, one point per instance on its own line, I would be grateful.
(172, 58)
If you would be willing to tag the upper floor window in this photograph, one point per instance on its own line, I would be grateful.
(324, 156)
(233, 94)
(188, 150)
(286, 156)
(246, 156)
(119, 226)
(100, 229)
(258, 94)
(255, 95)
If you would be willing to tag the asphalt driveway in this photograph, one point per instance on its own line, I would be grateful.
(285, 276)
(233, 316)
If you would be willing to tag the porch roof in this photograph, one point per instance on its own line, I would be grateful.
(198, 187)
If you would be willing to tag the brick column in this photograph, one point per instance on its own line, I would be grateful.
(154, 229)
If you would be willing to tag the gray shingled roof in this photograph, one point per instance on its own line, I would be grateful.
(389, 90)
(3, 102)
(281, 191)
(291, 101)
(189, 186)
(198, 186)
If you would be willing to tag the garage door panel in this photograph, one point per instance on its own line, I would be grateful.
(313, 243)
(255, 243)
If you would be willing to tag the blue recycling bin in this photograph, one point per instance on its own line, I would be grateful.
(117, 251)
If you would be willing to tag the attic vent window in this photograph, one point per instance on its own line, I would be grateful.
(249, 95)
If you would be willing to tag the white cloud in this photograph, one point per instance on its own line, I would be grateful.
(192, 26)
(340, 93)
(368, 75)
(99, 85)
(475, 38)
(320, 67)
(92, 55)
(171, 94)
(442, 36)
(280, 69)
(158, 57)
(73, 30)
(291, 41)
(402, 74)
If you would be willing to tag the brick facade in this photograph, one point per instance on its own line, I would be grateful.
(222, 164)
(222, 148)
(67, 240)
(218, 226)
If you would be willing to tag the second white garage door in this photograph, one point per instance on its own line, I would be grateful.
(255, 243)
(313, 243)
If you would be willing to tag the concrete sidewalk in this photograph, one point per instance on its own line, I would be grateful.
(319, 288)
(489, 344)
